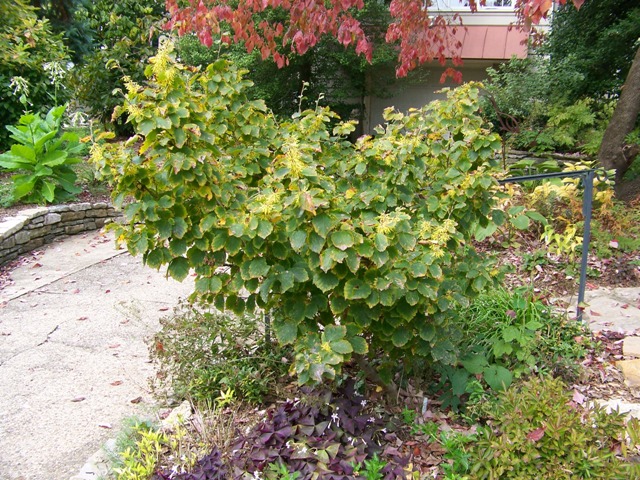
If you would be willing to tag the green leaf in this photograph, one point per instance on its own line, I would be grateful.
(48, 191)
(356, 289)
(459, 381)
(342, 239)
(286, 331)
(178, 268)
(287, 281)
(179, 227)
(333, 333)
(177, 247)
(498, 377)
(297, 240)
(258, 268)
(359, 345)
(427, 332)
(381, 242)
(401, 336)
(341, 347)
(474, 363)
(325, 281)
(510, 334)
(521, 222)
(322, 224)
(264, 229)
(435, 270)
(338, 305)
(418, 269)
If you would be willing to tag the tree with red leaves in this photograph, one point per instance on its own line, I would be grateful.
(420, 36)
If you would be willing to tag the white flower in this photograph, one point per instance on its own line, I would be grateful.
(363, 403)
(371, 420)
(303, 450)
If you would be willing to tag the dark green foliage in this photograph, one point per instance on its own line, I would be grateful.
(539, 430)
(27, 44)
(42, 157)
(67, 17)
(594, 45)
(125, 35)
(201, 354)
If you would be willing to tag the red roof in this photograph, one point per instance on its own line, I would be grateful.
(492, 42)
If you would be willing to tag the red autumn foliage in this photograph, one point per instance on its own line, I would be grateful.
(420, 37)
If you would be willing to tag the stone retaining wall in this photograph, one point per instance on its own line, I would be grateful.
(33, 228)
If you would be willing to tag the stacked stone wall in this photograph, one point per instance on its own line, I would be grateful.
(35, 227)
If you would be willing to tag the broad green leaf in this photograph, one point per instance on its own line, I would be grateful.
(356, 289)
(48, 191)
(322, 224)
(341, 347)
(474, 363)
(300, 274)
(418, 269)
(401, 336)
(459, 381)
(521, 222)
(342, 239)
(537, 217)
(359, 345)
(297, 240)
(286, 330)
(338, 305)
(427, 331)
(177, 247)
(435, 270)
(443, 351)
(325, 281)
(264, 229)
(498, 377)
(287, 281)
(179, 268)
(258, 268)
(381, 242)
(179, 227)
(333, 333)
(510, 334)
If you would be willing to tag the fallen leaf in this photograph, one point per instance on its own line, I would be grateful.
(625, 306)
(78, 399)
(595, 314)
(115, 345)
(136, 400)
(105, 425)
(81, 319)
(578, 398)
(613, 244)
(107, 291)
(116, 383)
(77, 290)
(536, 434)
(36, 265)
(163, 309)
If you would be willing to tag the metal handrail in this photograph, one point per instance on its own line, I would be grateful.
(587, 177)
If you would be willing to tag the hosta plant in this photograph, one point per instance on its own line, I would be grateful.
(42, 158)
(353, 247)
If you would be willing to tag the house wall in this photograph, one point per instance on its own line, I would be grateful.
(421, 88)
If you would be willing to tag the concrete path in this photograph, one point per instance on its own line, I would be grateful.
(73, 362)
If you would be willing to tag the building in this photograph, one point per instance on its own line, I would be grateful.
(489, 37)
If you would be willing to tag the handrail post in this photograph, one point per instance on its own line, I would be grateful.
(587, 207)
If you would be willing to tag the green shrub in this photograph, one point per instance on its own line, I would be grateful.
(536, 430)
(352, 247)
(43, 158)
(202, 353)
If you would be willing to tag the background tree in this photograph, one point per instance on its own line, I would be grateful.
(419, 36)
(30, 55)
(67, 17)
(125, 35)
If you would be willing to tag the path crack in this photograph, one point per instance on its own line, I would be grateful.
(48, 336)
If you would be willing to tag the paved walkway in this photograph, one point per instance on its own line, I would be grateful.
(73, 362)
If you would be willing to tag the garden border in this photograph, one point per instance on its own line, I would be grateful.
(35, 227)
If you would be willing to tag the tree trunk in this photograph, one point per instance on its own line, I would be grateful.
(614, 153)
